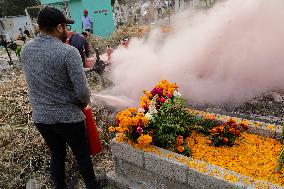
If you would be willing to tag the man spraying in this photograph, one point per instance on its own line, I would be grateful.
(58, 91)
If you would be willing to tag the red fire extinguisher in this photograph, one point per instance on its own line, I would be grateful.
(95, 145)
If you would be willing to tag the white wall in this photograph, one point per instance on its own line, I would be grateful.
(13, 24)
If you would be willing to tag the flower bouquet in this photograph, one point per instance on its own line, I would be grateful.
(162, 119)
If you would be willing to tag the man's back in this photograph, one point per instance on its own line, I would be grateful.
(80, 42)
(56, 80)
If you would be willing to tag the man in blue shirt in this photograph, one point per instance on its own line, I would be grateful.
(87, 23)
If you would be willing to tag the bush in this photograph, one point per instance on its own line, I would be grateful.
(227, 133)
(171, 121)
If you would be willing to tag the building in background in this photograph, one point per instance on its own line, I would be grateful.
(99, 10)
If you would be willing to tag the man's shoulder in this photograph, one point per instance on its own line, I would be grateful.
(30, 42)
(28, 45)
(67, 48)
(71, 51)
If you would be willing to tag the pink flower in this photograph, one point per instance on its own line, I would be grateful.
(163, 100)
(139, 130)
(170, 95)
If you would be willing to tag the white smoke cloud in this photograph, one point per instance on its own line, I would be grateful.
(233, 52)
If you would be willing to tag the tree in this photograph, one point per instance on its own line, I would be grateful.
(16, 7)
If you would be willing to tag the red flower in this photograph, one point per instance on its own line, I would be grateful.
(238, 132)
(146, 107)
(157, 91)
(140, 124)
(162, 99)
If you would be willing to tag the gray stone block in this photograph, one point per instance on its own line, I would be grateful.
(166, 183)
(136, 174)
(117, 165)
(261, 130)
(125, 152)
(118, 182)
(166, 167)
(199, 180)
(278, 132)
(264, 131)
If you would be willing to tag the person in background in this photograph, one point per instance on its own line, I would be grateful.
(79, 41)
(87, 23)
(58, 92)
(124, 42)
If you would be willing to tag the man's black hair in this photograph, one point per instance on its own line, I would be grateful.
(51, 17)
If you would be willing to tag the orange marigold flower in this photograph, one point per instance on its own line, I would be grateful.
(244, 126)
(214, 130)
(225, 140)
(209, 142)
(180, 149)
(130, 142)
(271, 127)
(220, 129)
(245, 122)
(111, 129)
(121, 129)
(120, 137)
(231, 120)
(209, 117)
(179, 141)
(144, 140)
(232, 130)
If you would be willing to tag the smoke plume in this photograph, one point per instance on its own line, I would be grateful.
(230, 53)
